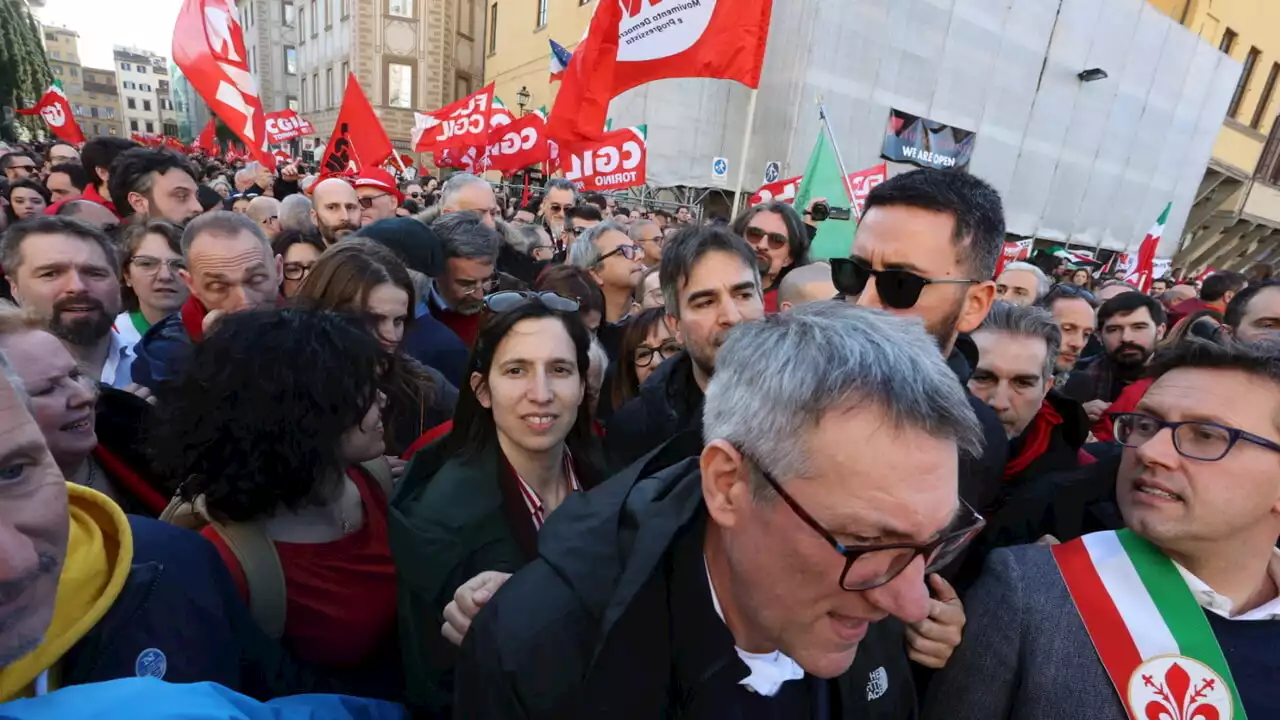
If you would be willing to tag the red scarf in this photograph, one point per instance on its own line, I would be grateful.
(193, 312)
(1035, 440)
(129, 481)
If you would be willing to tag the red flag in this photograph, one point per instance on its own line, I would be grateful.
(615, 162)
(1012, 252)
(517, 145)
(1144, 271)
(287, 125)
(207, 142)
(358, 139)
(56, 111)
(175, 144)
(460, 124)
(633, 42)
(208, 45)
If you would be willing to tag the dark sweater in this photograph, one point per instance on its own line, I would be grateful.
(1250, 649)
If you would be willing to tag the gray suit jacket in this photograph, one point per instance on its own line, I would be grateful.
(1025, 653)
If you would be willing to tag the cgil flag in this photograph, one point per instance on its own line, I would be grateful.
(560, 58)
(358, 140)
(56, 111)
(823, 179)
(209, 48)
(1143, 271)
(207, 142)
(631, 42)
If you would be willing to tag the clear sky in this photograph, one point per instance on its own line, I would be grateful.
(103, 24)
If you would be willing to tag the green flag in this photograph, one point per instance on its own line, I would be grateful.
(822, 179)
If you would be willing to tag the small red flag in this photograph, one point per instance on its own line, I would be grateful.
(207, 142)
(208, 45)
(358, 139)
(56, 111)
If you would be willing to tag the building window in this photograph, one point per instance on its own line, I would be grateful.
(290, 14)
(126, 66)
(144, 87)
(302, 27)
(253, 59)
(493, 29)
(328, 85)
(346, 73)
(131, 103)
(55, 54)
(142, 69)
(1246, 75)
(400, 8)
(461, 86)
(96, 131)
(304, 93)
(315, 90)
(109, 113)
(314, 15)
(290, 60)
(93, 112)
(466, 18)
(346, 9)
(51, 37)
(75, 71)
(328, 13)
(1228, 41)
(399, 85)
(133, 125)
(146, 107)
(151, 127)
(292, 104)
(1263, 102)
(57, 69)
(542, 14)
(129, 86)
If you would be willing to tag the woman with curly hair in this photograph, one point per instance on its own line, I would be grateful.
(474, 502)
(365, 279)
(269, 425)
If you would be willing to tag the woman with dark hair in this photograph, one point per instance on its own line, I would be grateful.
(474, 502)
(260, 436)
(300, 250)
(24, 199)
(1080, 277)
(647, 342)
(777, 234)
(150, 287)
(570, 281)
(367, 280)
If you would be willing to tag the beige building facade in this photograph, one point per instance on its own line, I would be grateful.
(271, 39)
(138, 75)
(1235, 221)
(95, 101)
(407, 55)
(517, 51)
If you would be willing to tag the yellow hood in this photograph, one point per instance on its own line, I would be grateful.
(99, 553)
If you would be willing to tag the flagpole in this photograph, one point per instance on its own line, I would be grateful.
(746, 146)
(844, 172)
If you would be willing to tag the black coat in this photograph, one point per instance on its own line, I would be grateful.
(670, 402)
(1063, 453)
(980, 476)
(585, 630)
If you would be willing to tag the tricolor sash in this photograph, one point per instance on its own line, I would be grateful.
(1150, 634)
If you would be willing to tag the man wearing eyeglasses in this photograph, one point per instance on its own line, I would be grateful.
(558, 195)
(616, 264)
(758, 579)
(266, 212)
(1178, 614)
(470, 273)
(927, 247)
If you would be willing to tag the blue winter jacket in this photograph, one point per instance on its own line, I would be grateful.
(151, 699)
(162, 353)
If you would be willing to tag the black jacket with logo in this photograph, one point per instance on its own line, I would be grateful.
(588, 630)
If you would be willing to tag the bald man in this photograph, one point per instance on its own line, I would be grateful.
(806, 284)
(335, 209)
(87, 211)
(266, 212)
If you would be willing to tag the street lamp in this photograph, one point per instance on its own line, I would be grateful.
(522, 99)
(1092, 75)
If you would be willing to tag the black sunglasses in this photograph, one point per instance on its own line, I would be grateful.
(869, 566)
(630, 252)
(899, 289)
(367, 202)
(501, 302)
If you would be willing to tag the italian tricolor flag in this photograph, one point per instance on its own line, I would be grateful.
(1149, 632)
(1143, 272)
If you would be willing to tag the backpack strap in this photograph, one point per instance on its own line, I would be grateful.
(263, 573)
(380, 470)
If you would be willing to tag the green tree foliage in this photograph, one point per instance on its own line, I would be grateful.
(24, 69)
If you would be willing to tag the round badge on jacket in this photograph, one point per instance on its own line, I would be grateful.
(151, 663)
(1179, 688)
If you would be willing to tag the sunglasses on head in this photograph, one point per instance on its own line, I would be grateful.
(1062, 290)
(898, 289)
(755, 235)
(510, 299)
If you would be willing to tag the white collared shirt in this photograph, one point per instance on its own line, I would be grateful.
(1221, 605)
(768, 670)
(117, 371)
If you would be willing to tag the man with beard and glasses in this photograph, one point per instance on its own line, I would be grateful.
(471, 247)
(1130, 325)
(927, 246)
(65, 272)
(335, 209)
(711, 282)
(558, 196)
(230, 268)
(156, 184)
(89, 594)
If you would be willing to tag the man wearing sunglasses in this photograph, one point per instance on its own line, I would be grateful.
(378, 195)
(927, 247)
(616, 264)
(558, 195)
(758, 579)
(1190, 588)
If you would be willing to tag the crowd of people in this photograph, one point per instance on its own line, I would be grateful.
(363, 447)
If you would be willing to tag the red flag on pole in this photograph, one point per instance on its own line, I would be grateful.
(208, 45)
(207, 142)
(464, 123)
(633, 42)
(56, 111)
(358, 140)
(1143, 273)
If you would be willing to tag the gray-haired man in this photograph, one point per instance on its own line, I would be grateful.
(722, 586)
(467, 192)
(471, 247)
